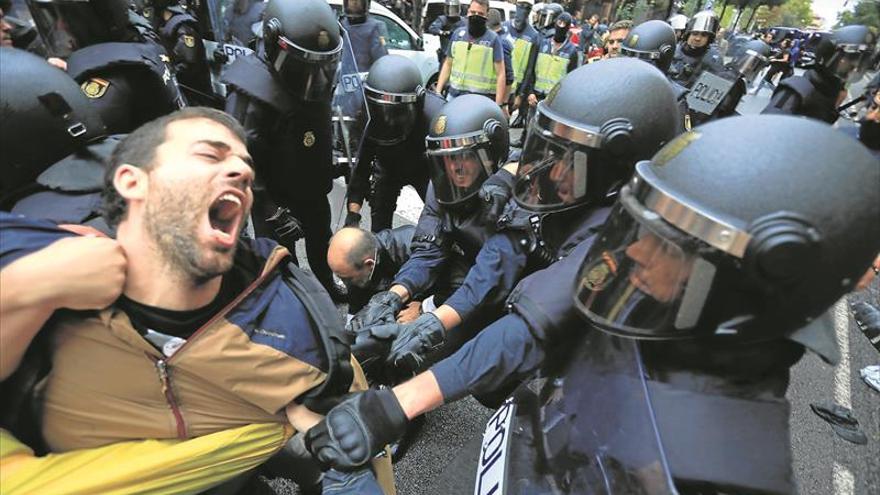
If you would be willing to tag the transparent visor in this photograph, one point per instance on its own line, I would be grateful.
(545, 19)
(310, 74)
(458, 174)
(550, 175)
(392, 116)
(453, 9)
(68, 26)
(851, 63)
(642, 278)
(750, 63)
(648, 56)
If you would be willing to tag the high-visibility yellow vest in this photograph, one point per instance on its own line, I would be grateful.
(549, 70)
(520, 61)
(473, 68)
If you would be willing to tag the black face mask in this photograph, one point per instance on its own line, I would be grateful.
(476, 25)
(560, 34)
(519, 19)
(869, 134)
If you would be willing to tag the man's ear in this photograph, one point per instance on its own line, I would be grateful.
(131, 182)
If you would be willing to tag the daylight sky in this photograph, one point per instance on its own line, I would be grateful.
(828, 10)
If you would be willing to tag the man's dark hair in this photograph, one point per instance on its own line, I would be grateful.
(484, 3)
(139, 149)
(364, 248)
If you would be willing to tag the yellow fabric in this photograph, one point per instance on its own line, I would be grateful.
(142, 466)
(549, 70)
(520, 61)
(473, 69)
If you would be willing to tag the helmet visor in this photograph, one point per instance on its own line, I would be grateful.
(643, 278)
(453, 9)
(750, 63)
(392, 116)
(458, 173)
(550, 175)
(68, 26)
(851, 62)
(308, 73)
(704, 24)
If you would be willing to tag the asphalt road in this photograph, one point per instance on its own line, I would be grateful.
(442, 459)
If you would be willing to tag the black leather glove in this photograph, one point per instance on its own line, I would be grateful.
(494, 199)
(353, 219)
(287, 228)
(415, 341)
(371, 347)
(382, 308)
(357, 429)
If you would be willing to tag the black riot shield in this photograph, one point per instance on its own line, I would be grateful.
(350, 114)
(590, 430)
(221, 27)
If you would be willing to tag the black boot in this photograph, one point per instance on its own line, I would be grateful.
(867, 317)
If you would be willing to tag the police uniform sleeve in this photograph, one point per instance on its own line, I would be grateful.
(504, 351)
(188, 46)
(23, 236)
(428, 253)
(497, 50)
(254, 117)
(437, 26)
(508, 64)
(573, 61)
(359, 185)
(379, 48)
(529, 79)
(498, 267)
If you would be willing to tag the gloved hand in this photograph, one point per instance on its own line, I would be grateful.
(415, 341)
(353, 219)
(382, 308)
(494, 198)
(357, 429)
(371, 347)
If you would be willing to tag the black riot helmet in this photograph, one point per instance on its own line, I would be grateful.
(394, 96)
(582, 145)
(548, 14)
(45, 117)
(68, 25)
(303, 45)
(847, 53)
(754, 241)
(356, 10)
(453, 8)
(754, 57)
(466, 143)
(703, 22)
(651, 41)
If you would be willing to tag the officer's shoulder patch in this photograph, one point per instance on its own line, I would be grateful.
(309, 139)
(189, 40)
(440, 125)
(675, 147)
(95, 87)
(633, 39)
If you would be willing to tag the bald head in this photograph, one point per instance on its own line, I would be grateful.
(352, 255)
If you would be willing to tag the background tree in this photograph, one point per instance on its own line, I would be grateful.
(866, 12)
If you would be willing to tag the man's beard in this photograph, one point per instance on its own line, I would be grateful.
(172, 218)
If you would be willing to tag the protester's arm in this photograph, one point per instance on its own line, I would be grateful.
(73, 272)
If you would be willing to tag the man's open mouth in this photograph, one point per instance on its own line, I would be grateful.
(224, 215)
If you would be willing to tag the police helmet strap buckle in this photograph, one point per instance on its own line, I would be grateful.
(617, 135)
(493, 130)
(271, 29)
(782, 245)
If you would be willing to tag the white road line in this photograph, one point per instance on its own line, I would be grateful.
(842, 392)
(843, 480)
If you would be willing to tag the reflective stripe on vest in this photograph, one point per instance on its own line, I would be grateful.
(473, 68)
(519, 60)
(549, 70)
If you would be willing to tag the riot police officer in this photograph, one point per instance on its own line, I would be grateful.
(557, 56)
(679, 23)
(696, 52)
(46, 118)
(282, 97)
(843, 57)
(525, 40)
(368, 35)
(723, 318)
(467, 143)
(115, 55)
(393, 149)
(654, 42)
(564, 185)
(179, 33)
(444, 25)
